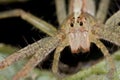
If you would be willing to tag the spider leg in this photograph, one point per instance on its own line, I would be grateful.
(57, 56)
(38, 23)
(25, 52)
(113, 21)
(88, 5)
(60, 10)
(108, 57)
(70, 10)
(111, 30)
(102, 10)
(45, 47)
(109, 34)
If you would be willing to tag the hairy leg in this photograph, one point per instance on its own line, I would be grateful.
(89, 6)
(102, 10)
(108, 57)
(113, 23)
(57, 56)
(111, 30)
(60, 10)
(38, 23)
(45, 47)
(25, 52)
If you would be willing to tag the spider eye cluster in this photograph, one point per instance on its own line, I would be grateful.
(79, 21)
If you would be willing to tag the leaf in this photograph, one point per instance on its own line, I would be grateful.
(9, 72)
(98, 71)
(6, 74)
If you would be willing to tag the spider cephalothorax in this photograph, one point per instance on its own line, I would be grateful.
(78, 30)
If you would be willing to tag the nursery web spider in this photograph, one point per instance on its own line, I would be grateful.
(78, 30)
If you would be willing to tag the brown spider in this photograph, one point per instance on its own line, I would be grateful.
(77, 31)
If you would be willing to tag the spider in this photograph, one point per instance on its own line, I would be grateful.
(78, 30)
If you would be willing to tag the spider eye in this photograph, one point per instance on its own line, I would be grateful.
(81, 23)
(71, 24)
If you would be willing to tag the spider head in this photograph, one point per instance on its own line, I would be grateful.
(78, 32)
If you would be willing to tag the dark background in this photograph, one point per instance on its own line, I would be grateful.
(17, 32)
